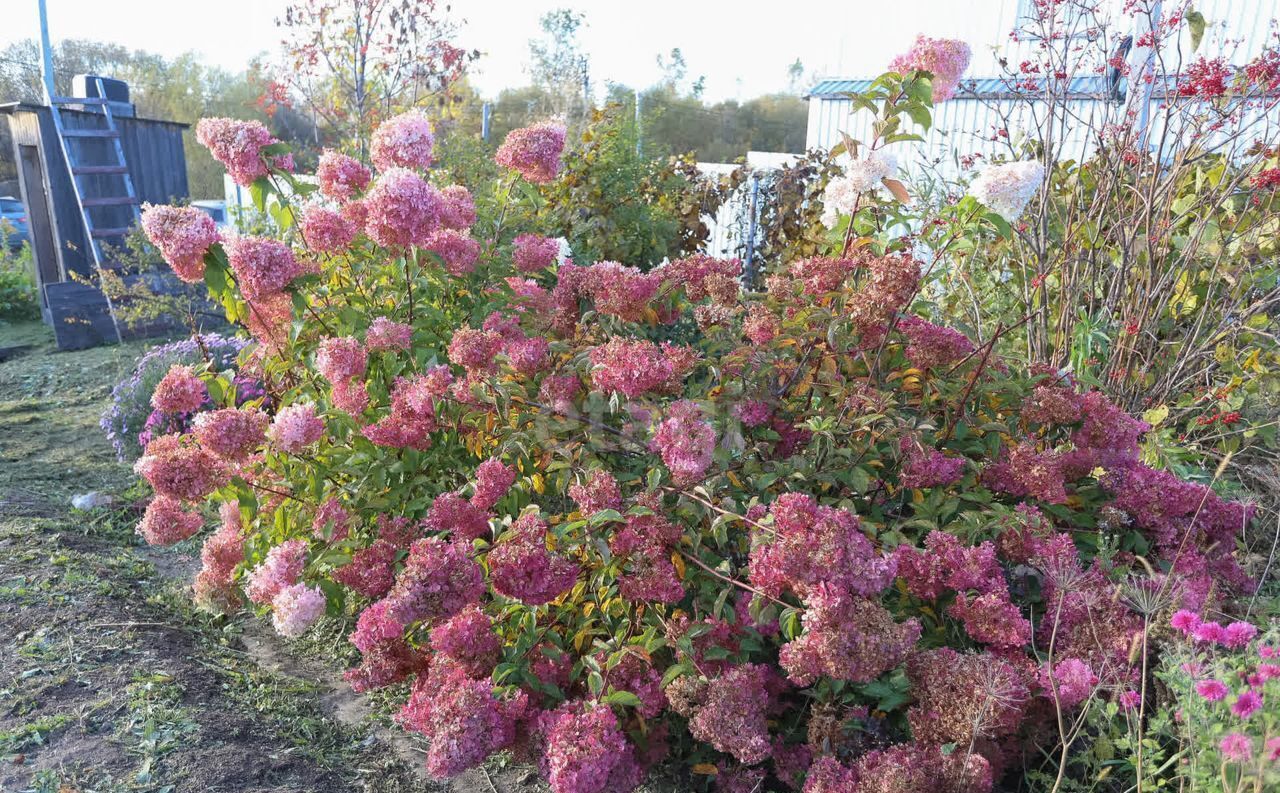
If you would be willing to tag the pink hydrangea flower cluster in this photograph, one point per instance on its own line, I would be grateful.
(451, 513)
(462, 718)
(533, 254)
(295, 608)
(586, 750)
(222, 552)
(326, 230)
(413, 412)
(403, 141)
(533, 151)
(927, 467)
(341, 177)
(963, 698)
(600, 492)
(812, 544)
(371, 571)
(945, 59)
(821, 275)
(438, 580)
(296, 427)
(731, 713)
(339, 359)
(1069, 681)
(262, 267)
(634, 367)
(166, 522)
(889, 285)
(457, 208)
(175, 466)
(686, 442)
(456, 249)
(493, 479)
(238, 146)
(402, 209)
(386, 334)
(475, 350)
(231, 433)
(931, 346)
(620, 291)
(332, 522)
(183, 235)
(702, 276)
(467, 640)
(846, 637)
(179, 391)
(521, 567)
(281, 568)
(760, 326)
(386, 658)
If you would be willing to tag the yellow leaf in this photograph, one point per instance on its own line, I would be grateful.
(734, 478)
(1156, 415)
(539, 484)
(678, 561)
(705, 769)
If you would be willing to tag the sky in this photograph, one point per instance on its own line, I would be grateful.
(743, 48)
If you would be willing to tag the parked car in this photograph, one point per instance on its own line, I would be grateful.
(216, 210)
(14, 215)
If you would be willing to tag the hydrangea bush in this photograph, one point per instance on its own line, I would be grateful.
(818, 543)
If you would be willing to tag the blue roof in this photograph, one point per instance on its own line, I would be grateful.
(979, 88)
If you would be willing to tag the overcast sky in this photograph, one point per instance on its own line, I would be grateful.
(742, 47)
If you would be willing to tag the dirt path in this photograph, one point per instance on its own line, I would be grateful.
(110, 680)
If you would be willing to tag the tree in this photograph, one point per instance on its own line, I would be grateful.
(356, 62)
(560, 68)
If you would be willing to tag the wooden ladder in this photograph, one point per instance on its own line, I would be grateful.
(94, 231)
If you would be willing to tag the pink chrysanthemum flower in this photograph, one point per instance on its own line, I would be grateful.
(1247, 704)
(295, 608)
(945, 59)
(179, 391)
(282, 567)
(326, 230)
(533, 151)
(457, 208)
(341, 177)
(403, 141)
(231, 433)
(1212, 690)
(1237, 635)
(1237, 748)
(166, 522)
(262, 266)
(296, 427)
(237, 145)
(183, 235)
(385, 334)
(1185, 621)
(401, 209)
(533, 254)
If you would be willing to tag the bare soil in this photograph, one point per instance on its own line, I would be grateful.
(109, 679)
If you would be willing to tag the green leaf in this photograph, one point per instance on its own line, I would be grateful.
(625, 698)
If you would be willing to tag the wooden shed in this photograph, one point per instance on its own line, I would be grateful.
(156, 162)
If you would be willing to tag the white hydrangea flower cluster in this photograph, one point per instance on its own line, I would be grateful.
(863, 175)
(1006, 189)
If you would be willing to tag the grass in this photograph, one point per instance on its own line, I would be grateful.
(110, 680)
